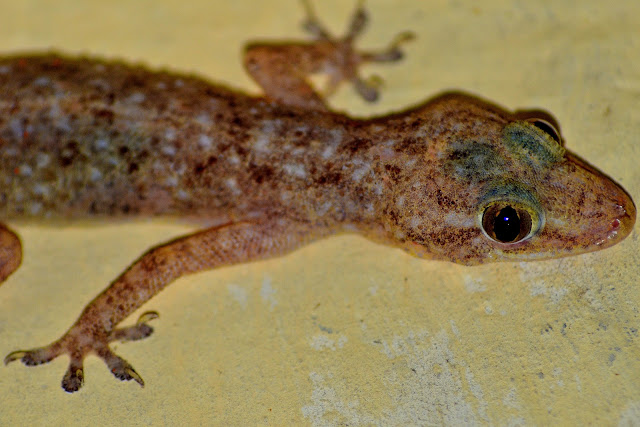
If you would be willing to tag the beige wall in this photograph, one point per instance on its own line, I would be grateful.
(346, 331)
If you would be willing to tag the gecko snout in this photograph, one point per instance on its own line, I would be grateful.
(620, 224)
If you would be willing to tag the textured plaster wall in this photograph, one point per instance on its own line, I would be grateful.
(346, 331)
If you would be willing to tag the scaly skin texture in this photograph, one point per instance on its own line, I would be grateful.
(82, 138)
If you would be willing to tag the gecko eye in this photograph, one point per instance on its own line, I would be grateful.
(505, 222)
(547, 128)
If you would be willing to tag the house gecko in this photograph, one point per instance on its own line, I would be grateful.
(455, 178)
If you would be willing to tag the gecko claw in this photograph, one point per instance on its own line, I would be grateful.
(368, 89)
(136, 332)
(14, 355)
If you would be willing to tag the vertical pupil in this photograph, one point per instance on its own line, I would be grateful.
(506, 225)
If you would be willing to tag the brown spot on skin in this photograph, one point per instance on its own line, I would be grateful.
(104, 114)
(331, 178)
(262, 173)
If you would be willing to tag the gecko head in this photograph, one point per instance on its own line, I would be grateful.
(512, 193)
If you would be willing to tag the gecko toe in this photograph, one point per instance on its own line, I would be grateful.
(136, 332)
(33, 357)
(73, 378)
(120, 368)
(123, 371)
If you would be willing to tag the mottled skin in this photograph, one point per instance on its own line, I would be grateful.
(83, 138)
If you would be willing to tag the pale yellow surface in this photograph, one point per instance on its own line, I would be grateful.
(345, 331)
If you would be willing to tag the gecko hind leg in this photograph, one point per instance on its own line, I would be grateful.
(74, 377)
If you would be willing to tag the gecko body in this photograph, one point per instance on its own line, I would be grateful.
(454, 178)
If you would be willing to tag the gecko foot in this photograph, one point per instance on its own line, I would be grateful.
(367, 88)
(70, 344)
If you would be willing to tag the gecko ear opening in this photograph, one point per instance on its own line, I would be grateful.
(547, 128)
(544, 121)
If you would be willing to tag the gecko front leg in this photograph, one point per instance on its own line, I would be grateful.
(282, 69)
(95, 328)
(10, 252)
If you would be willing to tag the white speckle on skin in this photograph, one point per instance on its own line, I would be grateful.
(301, 129)
(95, 174)
(370, 210)
(171, 181)
(299, 151)
(261, 143)
(400, 202)
(323, 208)
(328, 152)
(204, 119)
(459, 220)
(232, 185)
(42, 81)
(63, 124)
(5, 69)
(16, 129)
(415, 221)
(285, 196)
(169, 150)
(360, 172)
(136, 98)
(42, 160)
(40, 190)
(178, 83)
(557, 222)
(233, 159)
(112, 161)
(10, 152)
(204, 141)
(161, 85)
(25, 170)
(335, 136)
(296, 169)
(36, 208)
(101, 144)
(60, 119)
(182, 195)
(170, 134)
